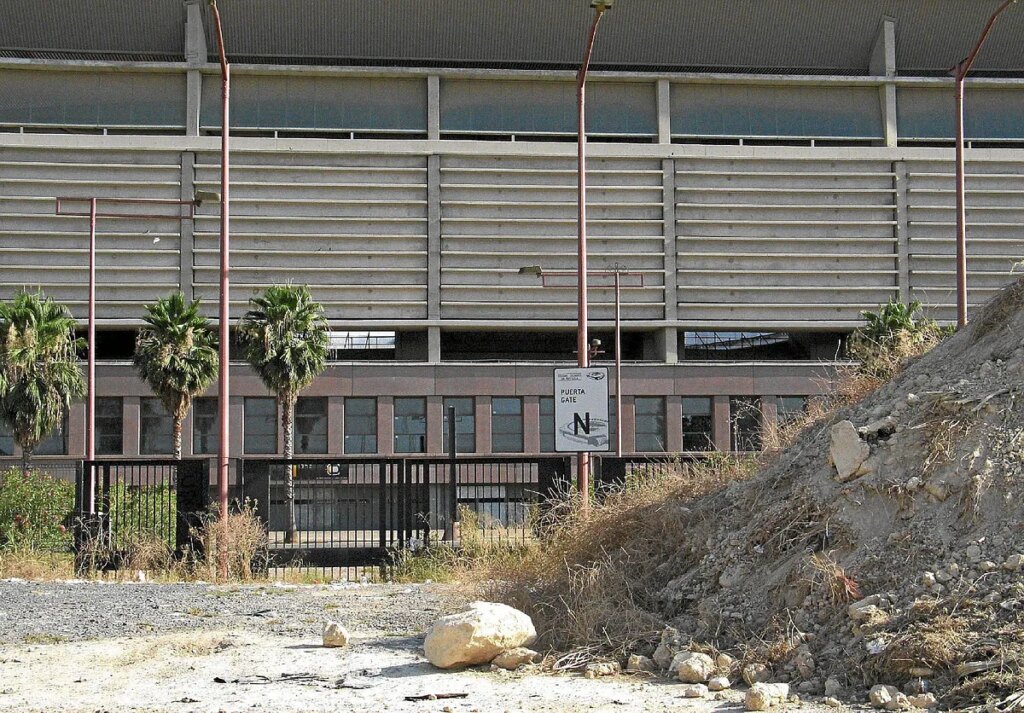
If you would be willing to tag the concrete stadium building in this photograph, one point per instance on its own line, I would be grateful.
(770, 168)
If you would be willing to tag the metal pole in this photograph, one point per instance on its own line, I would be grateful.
(582, 346)
(618, 369)
(223, 383)
(453, 484)
(90, 403)
(960, 73)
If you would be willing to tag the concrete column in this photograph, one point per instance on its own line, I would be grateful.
(769, 411)
(436, 416)
(335, 424)
(664, 111)
(673, 423)
(531, 424)
(434, 237)
(186, 244)
(433, 108)
(193, 101)
(76, 429)
(671, 265)
(882, 63)
(195, 56)
(482, 406)
(628, 424)
(236, 416)
(132, 419)
(899, 169)
(723, 430)
(385, 425)
(434, 345)
(186, 435)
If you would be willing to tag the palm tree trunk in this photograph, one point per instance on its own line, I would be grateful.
(176, 435)
(26, 458)
(287, 402)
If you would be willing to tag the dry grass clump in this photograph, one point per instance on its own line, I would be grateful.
(828, 576)
(591, 585)
(239, 542)
(24, 563)
(998, 312)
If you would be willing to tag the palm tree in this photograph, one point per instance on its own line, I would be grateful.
(176, 354)
(284, 337)
(39, 370)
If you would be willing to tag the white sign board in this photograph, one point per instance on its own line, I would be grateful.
(581, 410)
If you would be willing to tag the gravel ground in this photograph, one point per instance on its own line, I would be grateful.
(42, 612)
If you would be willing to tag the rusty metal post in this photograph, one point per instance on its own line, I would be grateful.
(618, 367)
(582, 341)
(90, 402)
(959, 74)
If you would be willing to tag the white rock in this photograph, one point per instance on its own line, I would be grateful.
(884, 697)
(602, 668)
(833, 702)
(641, 663)
(928, 579)
(718, 683)
(663, 656)
(335, 635)
(763, 696)
(755, 673)
(1013, 563)
(514, 658)
(865, 608)
(693, 667)
(725, 662)
(694, 690)
(477, 635)
(923, 700)
(847, 451)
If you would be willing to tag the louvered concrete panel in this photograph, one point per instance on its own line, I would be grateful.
(785, 243)
(137, 259)
(351, 227)
(500, 213)
(995, 241)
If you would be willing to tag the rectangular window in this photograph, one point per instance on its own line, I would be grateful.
(6, 441)
(789, 408)
(506, 425)
(260, 427)
(698, 424)
(745, 419)
(612, 425)
(547, 424)
(155, 428)
(360, 425)
(110, 426)
(650, 423)
(310, 430)
(204, 426)
(56, 444)
(465, 424)
(411, 425)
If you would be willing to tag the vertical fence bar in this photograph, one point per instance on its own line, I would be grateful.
(383, 504)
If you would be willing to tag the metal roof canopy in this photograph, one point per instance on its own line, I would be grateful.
(770, 36)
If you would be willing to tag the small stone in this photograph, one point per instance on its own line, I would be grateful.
(514, 658)
(693, 667)
(923, 700)
(603, 668)
(724, 662)
(833, 688)
(763, 696)
(718, 683)
(663, 656)
(943, 576)
(833, 702)
(973, 553)
(756, 673)
(847, 451)
(884, 697)
(638, 663)
(335, 635)
(1013, 563)
(921, 672)
(694, 690)
(987, 566)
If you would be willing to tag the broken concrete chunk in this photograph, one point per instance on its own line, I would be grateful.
(847, 451)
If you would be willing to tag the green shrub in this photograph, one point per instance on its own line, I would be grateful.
(142, 511)
(35, 510)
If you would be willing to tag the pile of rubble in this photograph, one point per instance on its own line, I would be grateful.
(879, 557)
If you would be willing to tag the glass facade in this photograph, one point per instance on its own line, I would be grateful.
(110, 426)
(788, 408)
(745, 421)
(650, 423)
(360, 425)
(56, 444)
(506, 425)
(465, 424)
(260, 428)
(204, 426)
(698, 424)
(310, 430)
(547, 424)
(410, 425)
(155, 428)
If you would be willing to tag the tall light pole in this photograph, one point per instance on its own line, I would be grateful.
(66, 206)
(582, 345)
(617, 272)
(959, 72)
(223, 381)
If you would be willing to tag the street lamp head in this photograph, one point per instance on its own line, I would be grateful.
(534, 270)
(200, 197)
(601, 5)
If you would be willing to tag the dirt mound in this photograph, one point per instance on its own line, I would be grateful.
(886, 545)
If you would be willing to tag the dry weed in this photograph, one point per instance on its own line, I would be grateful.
(828, 576)
(35, 565)
(239, 543)
(945, 426)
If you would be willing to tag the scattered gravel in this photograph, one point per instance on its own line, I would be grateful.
(45, 612)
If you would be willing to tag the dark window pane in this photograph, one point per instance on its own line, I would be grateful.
(547, 424)
(260, 429)
(110, 426)
(155, 428)
(6, 441)
(506, 425)
(698, 424)
(790, 407)
(56, 444)
(360, 425)
(745, 417)
(465, 424)
(411, 425)
(204, 426)
(310, 431)
(650, 423)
